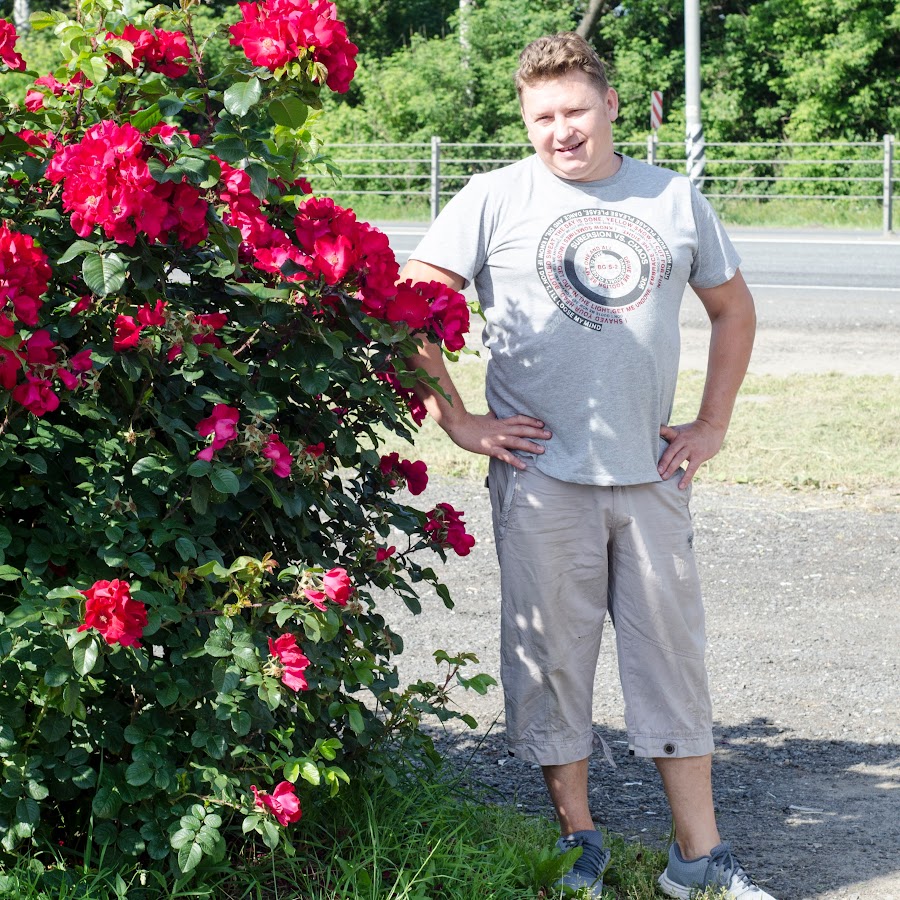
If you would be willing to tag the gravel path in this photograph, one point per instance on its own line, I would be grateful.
(803, 618)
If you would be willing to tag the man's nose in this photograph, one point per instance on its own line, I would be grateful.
(562, 130)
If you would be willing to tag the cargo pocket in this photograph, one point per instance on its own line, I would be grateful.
(503, 481)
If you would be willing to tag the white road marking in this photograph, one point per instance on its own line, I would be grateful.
(824, 287)
(812, 241)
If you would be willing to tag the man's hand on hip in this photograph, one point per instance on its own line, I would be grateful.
(694, 443)
(498, 437)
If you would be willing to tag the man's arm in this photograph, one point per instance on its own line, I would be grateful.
(731, 311)
(480, 434)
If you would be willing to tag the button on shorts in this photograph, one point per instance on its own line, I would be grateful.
(568, 554)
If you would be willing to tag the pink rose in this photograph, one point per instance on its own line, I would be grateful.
(337, 586)
(282, 802)
(293, 661)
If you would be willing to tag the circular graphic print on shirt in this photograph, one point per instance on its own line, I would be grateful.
(599, 264)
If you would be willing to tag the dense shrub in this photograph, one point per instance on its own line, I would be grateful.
(197, 360)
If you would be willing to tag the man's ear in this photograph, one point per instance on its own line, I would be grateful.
(612, 104)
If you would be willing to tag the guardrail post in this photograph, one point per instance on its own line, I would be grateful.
(435, 177)
(888, 195)
(651, 148)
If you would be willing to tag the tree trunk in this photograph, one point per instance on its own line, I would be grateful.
(589, 19)
(22, 16)
(465, 47)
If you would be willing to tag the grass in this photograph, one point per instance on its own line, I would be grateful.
(421, 841)
(804, 431)
(848, 214)
(801, 213)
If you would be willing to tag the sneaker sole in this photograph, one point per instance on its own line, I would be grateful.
(672, 888)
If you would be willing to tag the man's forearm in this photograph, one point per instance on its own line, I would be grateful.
(733, 319)
(730, 346)
(447, 410)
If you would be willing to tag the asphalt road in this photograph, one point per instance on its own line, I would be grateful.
(811, 278)
(825, 300)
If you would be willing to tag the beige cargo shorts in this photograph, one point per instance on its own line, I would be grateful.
(568, 554)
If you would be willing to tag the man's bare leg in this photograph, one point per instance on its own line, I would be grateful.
(568, 791)
(688, 784)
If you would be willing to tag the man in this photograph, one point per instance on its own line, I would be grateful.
(580, 257)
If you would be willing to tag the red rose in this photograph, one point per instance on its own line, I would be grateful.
(408, 306)
(445, 526)
(222, 425)
(8, 53)
(337, 586)
(36, 395)
(152, 315)
(279, 454)
(282, 803)
(112, 611)
(128, 333)
(293, 661)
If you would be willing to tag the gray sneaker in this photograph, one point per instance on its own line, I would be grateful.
(719, 869)
(589, 867)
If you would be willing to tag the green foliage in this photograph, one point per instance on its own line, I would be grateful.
(145, 742)
(383, 26)
(437, 86)
(814, 71)
(797, 70)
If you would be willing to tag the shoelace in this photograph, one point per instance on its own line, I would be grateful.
(593, 859)
(723, 867)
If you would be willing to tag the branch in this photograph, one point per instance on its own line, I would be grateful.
(589, 19)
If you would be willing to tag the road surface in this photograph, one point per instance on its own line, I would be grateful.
(826, 300)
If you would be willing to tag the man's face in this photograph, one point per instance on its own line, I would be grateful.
(569, 121)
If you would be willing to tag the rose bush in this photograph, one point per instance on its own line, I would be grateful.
(198, 360)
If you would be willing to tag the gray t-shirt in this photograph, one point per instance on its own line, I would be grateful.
(581, 285)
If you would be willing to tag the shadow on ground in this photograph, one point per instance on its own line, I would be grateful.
(786, 803)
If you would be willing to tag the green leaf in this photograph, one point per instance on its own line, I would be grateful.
(28, 811)
(95, 68)
(189, 857)
(183, 837)
(8, 573)
(138, 773)
(288, 111)
(65, 593)
(241, 96)
(270, 834)
(37, 463)
(245, 656)
(56, 676)
(105, 833)
(232, 150)
(186, 548)
(85, 656)
(5, 537)
(241, 723)
(147, 118)
(167, 694)
(79, 248)
(198, 468)
(106, 803)
(104, 275)
(354, 716)
(37, 790)
(141, 564)
(225, 481)
(125, 49)
(309, 771)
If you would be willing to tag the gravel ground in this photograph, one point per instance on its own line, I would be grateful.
(803, 623)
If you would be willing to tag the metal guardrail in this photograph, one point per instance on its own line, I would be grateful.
(837, 171)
